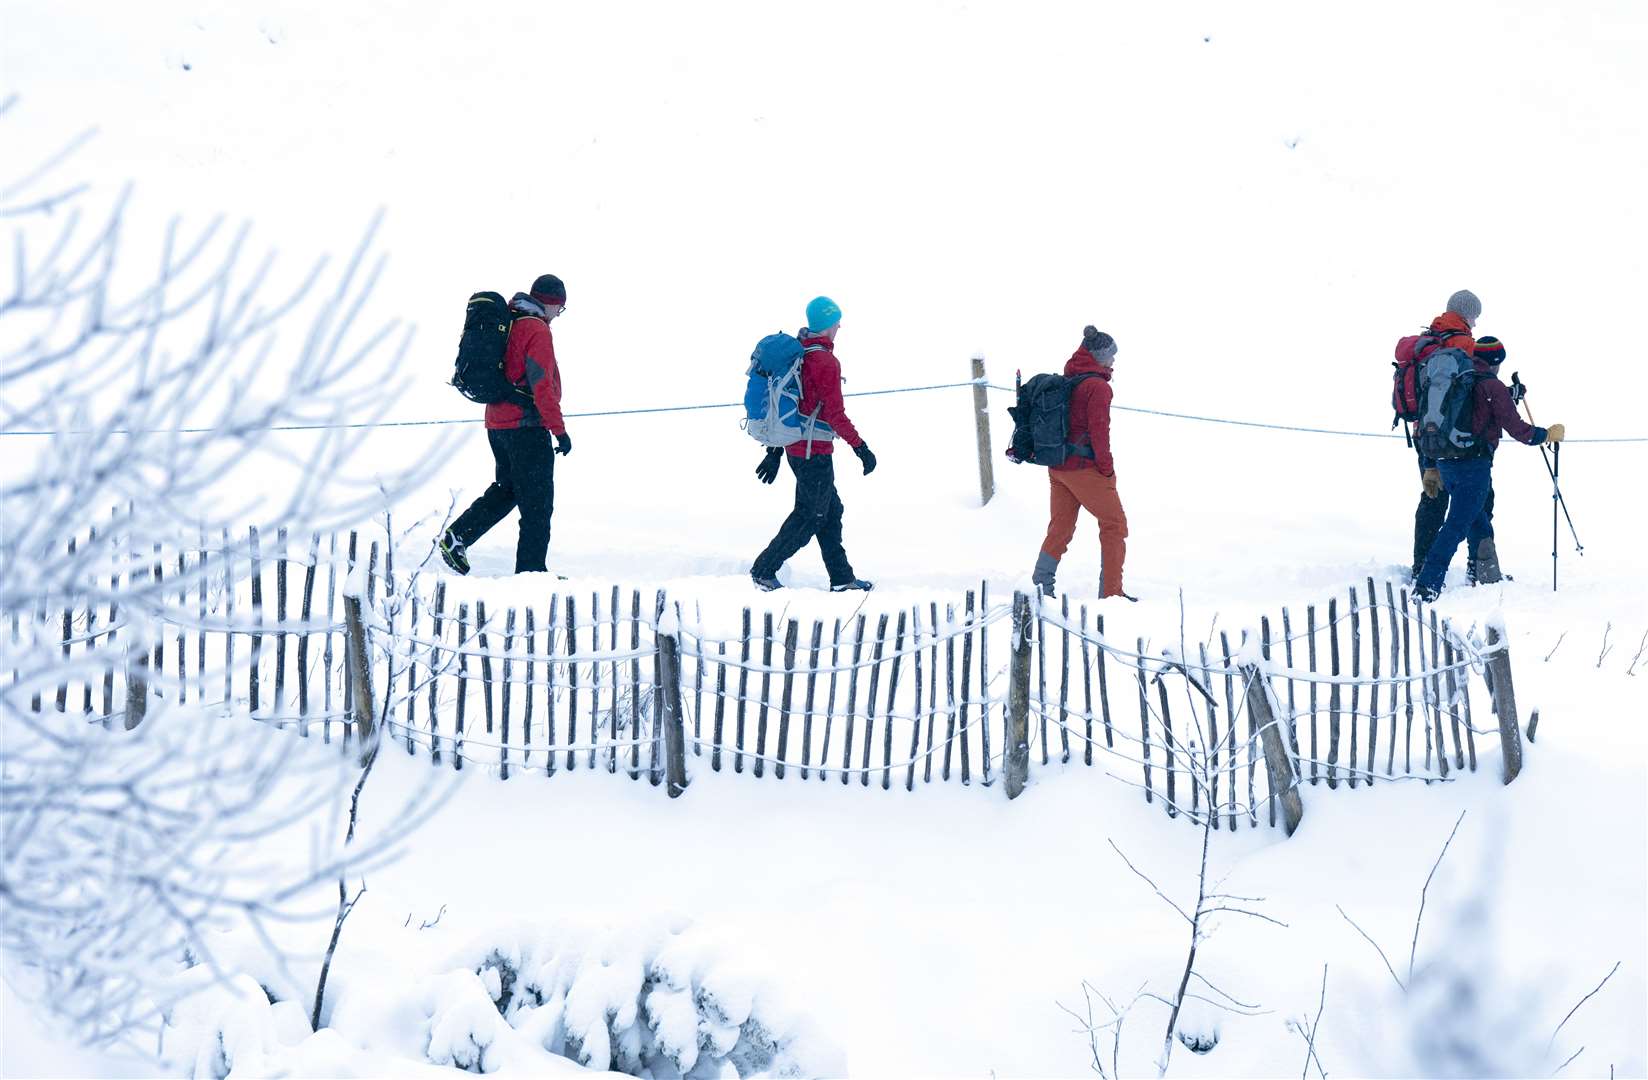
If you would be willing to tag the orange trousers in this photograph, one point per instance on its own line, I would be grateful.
(1072, 490)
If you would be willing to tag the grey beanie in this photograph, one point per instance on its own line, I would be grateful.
(1099, 343)
(1465, 304)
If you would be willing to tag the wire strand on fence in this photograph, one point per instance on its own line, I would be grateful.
(445, 422)
(1294, 427)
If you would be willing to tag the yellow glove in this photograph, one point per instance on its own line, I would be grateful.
(1555, 434)
(1432, 479)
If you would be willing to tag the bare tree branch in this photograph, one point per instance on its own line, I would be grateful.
(1154, 887)
(1575, 1009)
(1310, 1036)
(1413, 949)
(1376, 947)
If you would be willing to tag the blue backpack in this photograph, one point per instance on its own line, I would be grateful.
(772, 398)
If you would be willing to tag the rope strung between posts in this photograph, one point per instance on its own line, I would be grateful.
(1289, 427)
(738, 405)
(465, 420)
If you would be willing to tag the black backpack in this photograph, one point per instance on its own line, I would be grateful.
(1041, 421)
(479, 371)
(1447, 398)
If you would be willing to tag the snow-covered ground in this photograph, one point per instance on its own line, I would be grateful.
(1255, 200)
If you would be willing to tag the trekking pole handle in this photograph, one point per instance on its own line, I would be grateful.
(1519, 395)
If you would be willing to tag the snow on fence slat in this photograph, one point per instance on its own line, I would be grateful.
(556, 692)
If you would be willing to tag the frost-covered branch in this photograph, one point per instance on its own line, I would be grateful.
(156, 387)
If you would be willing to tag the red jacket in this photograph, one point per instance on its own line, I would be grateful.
(529, 360)
(1492, 411)
(821, 389)
(1089, 414)
(1461, 333)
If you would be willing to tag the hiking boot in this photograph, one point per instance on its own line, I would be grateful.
(1425, 594)
(1484, 568)
(453, 552)
(1122, 595)
(764, 583)
(1043, 575)
(855, 585)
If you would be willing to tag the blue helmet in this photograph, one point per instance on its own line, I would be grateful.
(822, 313)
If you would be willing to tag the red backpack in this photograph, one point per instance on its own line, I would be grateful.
(1411, 352)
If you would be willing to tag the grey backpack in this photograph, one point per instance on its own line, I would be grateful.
(1447, 395)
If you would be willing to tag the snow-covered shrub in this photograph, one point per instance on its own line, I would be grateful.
(463, 1021)
(657, 1001)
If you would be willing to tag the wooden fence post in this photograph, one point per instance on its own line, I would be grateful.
(360, 678)
(669, 689)
(981, 417)
(137, 663)
(137, 682)
(1017, 762)
(1504, 699)
(1283, 784)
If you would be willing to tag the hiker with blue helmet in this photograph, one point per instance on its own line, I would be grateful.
(818, 510)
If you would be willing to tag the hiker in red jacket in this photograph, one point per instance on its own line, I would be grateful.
(519, 433)
(1087, 482)
(818, 508)
(1458, 322)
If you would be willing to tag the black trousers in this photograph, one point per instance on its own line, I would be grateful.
(1427, 522)
(525, 460)
(817, 514)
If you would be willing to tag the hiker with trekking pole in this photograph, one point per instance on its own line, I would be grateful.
(1553, 465)
(1463, 408)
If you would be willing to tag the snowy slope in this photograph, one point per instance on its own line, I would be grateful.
(1256, 201)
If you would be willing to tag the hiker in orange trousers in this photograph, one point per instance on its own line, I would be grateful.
(1087, 478)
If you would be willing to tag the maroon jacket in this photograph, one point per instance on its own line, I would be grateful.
(1492, 411)
(821, 388)
(529, 360)
(1089, 414)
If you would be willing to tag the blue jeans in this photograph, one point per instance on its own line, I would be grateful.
(1469, 484)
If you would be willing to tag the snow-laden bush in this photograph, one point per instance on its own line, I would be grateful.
(658, 1001)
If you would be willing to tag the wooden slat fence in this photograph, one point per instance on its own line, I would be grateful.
(1378, 691)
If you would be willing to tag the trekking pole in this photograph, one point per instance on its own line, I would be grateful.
(1556, 500)
(1519, 393)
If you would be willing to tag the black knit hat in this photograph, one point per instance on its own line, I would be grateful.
(1099, 343)
(1490, 350)
(548, 289)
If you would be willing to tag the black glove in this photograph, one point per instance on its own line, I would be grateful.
(866, 456)
(1519, 389)
(767, 471)
(563, 443)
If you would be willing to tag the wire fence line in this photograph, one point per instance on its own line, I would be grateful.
(967, 689)
(702, 406)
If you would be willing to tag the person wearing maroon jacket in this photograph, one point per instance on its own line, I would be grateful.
(1469, 480)
(1087, 478)
(818, 510)
(519, 433)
